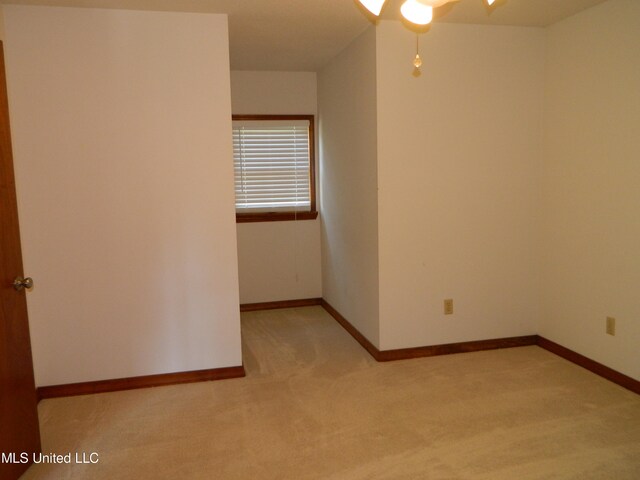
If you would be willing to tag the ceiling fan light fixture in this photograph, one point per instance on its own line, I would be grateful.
(417, 12)
(374, 6)
(436, 3)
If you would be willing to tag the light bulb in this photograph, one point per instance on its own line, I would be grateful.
(417, 62)
(436, 3)
(491, 2)
(417, 12)
(374, 6)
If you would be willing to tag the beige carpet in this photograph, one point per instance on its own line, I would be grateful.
(314, 405)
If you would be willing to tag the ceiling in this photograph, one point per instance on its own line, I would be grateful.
(303, 35)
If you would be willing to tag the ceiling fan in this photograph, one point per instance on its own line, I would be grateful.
(418, 12)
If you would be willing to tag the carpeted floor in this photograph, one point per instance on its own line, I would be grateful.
(314, 405)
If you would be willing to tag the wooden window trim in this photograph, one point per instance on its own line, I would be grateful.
(311, 214)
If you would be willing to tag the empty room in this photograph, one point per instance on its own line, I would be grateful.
(337, 239)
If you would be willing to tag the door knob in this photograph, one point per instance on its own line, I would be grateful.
(21, 283)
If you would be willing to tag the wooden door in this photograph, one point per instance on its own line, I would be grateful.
(19, 430)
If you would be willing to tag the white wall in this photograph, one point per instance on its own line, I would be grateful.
(274, 93)
(1, 23)
(592, 184)
(348, 171)
(458, 169)
(277, 260)
(122, 143)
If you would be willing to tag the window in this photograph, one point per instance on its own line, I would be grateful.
(273, 158)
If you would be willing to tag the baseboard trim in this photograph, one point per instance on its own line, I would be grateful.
(353, 331)
(494, 344)
(428, 351)
(460, 347)
(591, 365)
(304, 302)
(147, 381)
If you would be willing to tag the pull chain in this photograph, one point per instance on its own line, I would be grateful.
(417, 62)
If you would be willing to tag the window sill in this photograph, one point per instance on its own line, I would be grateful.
(275, 217)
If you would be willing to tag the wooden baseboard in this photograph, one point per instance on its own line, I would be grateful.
(591, 365)
(460, 347)
(102, 386)
(428, 351)
(304, 302)
(353, 331)
(115, 385)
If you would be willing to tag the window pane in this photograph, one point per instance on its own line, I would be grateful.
(272, 165)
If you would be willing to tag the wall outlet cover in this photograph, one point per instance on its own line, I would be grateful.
(448, 306)
(611, 326)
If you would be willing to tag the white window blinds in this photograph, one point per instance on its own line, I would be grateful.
(272, 165)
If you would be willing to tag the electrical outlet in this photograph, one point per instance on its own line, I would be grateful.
(448, 306)
(611, 326)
